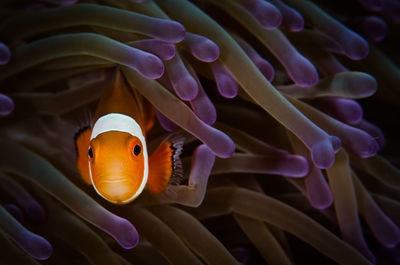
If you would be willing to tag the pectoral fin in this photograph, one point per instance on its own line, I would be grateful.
(165, 166)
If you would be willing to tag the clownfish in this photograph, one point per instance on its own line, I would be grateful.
(112, 154)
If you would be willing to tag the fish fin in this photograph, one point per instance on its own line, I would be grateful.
(82, 139)
(149, 115)
(165, 166)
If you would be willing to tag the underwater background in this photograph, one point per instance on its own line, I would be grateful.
(289, 108)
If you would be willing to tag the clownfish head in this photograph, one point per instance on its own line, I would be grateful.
(118, 163)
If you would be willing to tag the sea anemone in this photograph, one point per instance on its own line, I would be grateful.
(270, 96)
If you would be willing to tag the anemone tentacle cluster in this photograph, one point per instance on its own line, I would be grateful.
(271, 97)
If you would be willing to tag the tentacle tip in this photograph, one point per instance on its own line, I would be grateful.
(321, 201)
(305, 74)
(47, 252)
(176, 32)
(312, 80)
(6, 105)
(302, 166)
(298, 25)
(358, 50)
(322, 155)
(152, 67)
(392, 243)
(271, 22)
(126, 236)
(371, 149)
(266, 68)
(207, 52)
(336, 143)
(294, 23)
(39, 248)
(186, 88)
(322, 205)
(228, 151)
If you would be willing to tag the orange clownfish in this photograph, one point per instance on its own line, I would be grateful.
(112, 153)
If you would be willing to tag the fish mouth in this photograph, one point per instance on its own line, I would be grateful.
(114, 181)
(116, 190)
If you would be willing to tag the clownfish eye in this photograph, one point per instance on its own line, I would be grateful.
(136, 150)
(90, 152)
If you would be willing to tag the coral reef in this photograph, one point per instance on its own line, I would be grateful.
(277, 99)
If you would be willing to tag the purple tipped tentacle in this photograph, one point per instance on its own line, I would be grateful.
(298, 67)
(33, 210)
(202, 105)
(336, 143)
(296, 166)
(162, 49)
(166, 29)
(147, 64)
(391, 10)
(5, 54)
(138, 1)
(318, 192)
(354, 140)
(371, 27)
(357, 141)
(291, 19)
(193, 194)
(166, 123)
(323, 154)
(226, 84)
(119, 228)
(266, 14)
(15, 211)
(383, 228)
(6, 105)
(202, 48)
(34, 245)
(345, 110)
(185, 86)
(373, 5)
(372, 130)
(355, 47)
(263, 65)
(202, 163)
